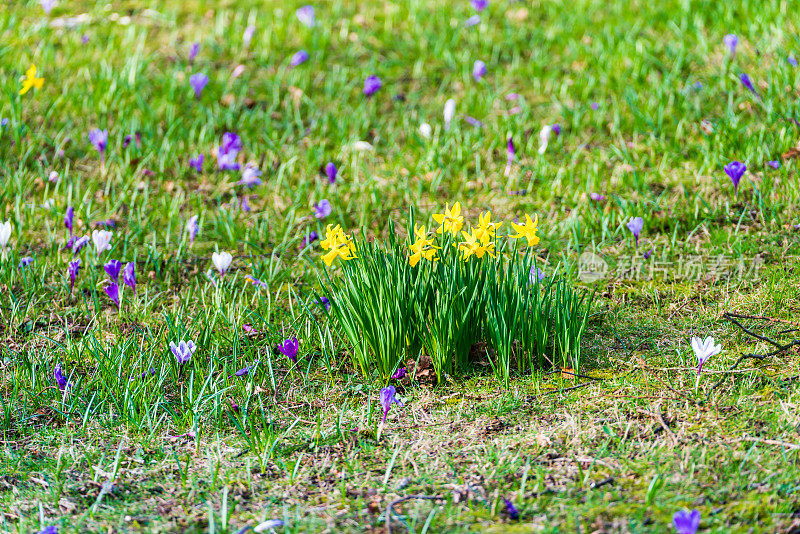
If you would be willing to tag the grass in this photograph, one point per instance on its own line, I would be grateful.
(616, 444)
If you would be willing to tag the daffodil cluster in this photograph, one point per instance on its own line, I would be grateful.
(338, 244)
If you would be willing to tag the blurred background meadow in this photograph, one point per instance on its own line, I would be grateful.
(225, 376)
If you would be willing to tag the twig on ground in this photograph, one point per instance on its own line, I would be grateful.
(660, 419)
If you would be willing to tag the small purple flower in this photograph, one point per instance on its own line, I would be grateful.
(595, 106)
(474, 20)
(371, 85)
(400, 373)
(112, 268)
(228, 151)
(243, 371)
(112, 290)
(129, 276)
(597, 197)
(479, 5)
(198, 82)
(289, 348)
(299, 57)
(69, 216)
(195, 48)
(72, 271)
(556, 129)
(748, 84)
(731, 41)
(331, 171)
(197, 162)
(255, 281)
(85, 39)
(151, 372)
(310, 238)
(510, 153)
(183, 351)
(4, 122)
(24, 262)
(387, 398)
(478, 70)
(250, 176)
(99, 139)
(536, 275)
(137, 137)
(61, 380)
(245, 204)
(686, 522)
(306, 16)
(792, 61)
(635, 225)
(47, 7)
(511, 510)
(322, 209)
(247, 36)
(648, 254)
(774, 164)
(323, 301)
(473, 121)
(80, 243)
(192, 228)
(735, 170)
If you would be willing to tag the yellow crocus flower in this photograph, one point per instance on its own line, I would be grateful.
(30, 80)
(449, 221)
(528, 230)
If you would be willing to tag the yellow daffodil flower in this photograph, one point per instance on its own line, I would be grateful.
(528, 230)
(486, 228)
(333, 236)
(449, 221)
(423, 247)
(341, 250)
(337, 244)
(472, 246)
(30, 80)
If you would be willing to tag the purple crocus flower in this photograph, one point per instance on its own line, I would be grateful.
(326, 303)
(299, 57)
(193, 51)
(192, 228)
(686, 522)
(774, 164)
(595, 106)
(151, 372)
(4, 122)
(243, 371)
(792, 61)
(510, 153)
(197, 162)
(387, 398)
(112, 268)
(536, 275)
(61, 380)
(72, 271)
(306, 16)
(473, 121)
(80, 243)
(735, 170)
(47, 5)
(597, 197)
(479, 5)
(511, 510)
(310, 238)
(52, 529)
(198, 82)
(731, 41)
(555, 129)
(129, 276)
(247, 36)
(99, 139)
(474, 20)
(478, 70)
(112, 290)
(371, 85)
(400, 373)
(183, 350)
(635, 225)
(289, 348)
(24, 262)
(250, 177)
(331, 171)
(748, 84)
(322, 209)
(69, 216)
(228, 151)
(245, 204)
(648, 254)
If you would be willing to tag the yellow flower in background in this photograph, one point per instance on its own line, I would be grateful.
(449, 221)
(486, 228)
(30, 80)
(528, 230)
(423, 247)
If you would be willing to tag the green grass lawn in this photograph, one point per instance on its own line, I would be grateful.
(650, 108)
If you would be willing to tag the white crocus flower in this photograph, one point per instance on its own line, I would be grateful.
(102, 240)
(449, 112)
(426, 130)
(704, 349)
(222, 260)
(544, 137)
(5, 234)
